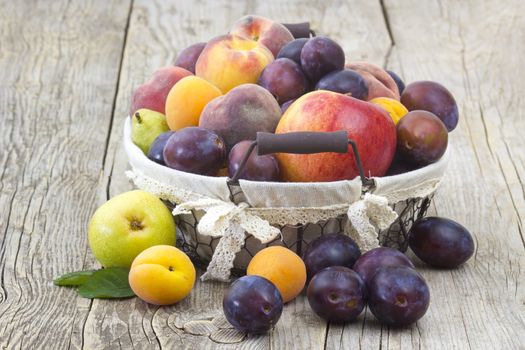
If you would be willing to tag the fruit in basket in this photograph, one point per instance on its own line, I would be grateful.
(400, 166)
(162, 275)
(126, 225)
(371, 261)
(271, 34)
(441, 242)
(186, 101)
(399, 82)
(284, 79)
(240, 113)
(394, 108)
(230, 60)
(321, 55)
(337, 294)
(146, 125)
(367, 124)
(422, 138)
(330, 250)
(380, 83)
(152, 94)
(188, 57)
(292, 50)
(398, 296)
(432, 97)
(252, 304)
(282, 267)
(156, 150)
(345, 81)
(285, 105)
(195, 150)
(257, 168)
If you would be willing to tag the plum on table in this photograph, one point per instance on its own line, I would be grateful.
(398, 296)
(441, 242)
(333, 249)
(252, 304)
(371, 261)
(337, 294)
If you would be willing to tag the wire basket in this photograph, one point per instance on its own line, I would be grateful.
(295, 237)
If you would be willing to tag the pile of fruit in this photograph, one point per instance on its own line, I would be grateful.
(201, 114)
(133, 237)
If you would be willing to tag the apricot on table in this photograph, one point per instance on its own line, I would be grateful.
(162, 275)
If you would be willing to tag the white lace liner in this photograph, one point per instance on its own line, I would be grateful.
(277, 203)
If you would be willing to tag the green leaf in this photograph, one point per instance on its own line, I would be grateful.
(73, 279)
(107, 283)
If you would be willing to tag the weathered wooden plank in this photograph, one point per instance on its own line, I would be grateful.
(59, 65)
(473, 48)
(157, 31)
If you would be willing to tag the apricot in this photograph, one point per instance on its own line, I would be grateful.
(230, 60)
(282, 267)
(162, 275)
(395, 109)
(186, 100)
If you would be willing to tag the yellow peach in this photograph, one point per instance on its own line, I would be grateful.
(162, 275)
(230, 60)
(186, 100)
(393, 107)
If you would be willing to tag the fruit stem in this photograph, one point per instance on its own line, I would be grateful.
(139, 118)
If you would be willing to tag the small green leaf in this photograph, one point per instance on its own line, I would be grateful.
(73, 279)
(107, 283)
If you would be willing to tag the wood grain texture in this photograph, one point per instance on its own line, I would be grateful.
(63, 106)
(57, 86)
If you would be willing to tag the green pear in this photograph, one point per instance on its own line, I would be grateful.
(126, 225)
(146, 125)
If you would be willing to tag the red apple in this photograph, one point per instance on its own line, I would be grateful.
(368, 125)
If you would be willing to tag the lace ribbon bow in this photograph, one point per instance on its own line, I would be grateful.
(365, 215)
(229, 221)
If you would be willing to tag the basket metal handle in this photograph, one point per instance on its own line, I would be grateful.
(303, 142)
(300, 30)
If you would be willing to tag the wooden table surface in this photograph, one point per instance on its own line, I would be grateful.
(67, 69)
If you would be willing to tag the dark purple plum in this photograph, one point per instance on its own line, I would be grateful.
(333, 249)
(398, 296)
(156, 150)
(292, 50)
(284, 79)
(252, 304)
(285, 105)
(441, 242)
(257, 168)
(195, 150)
(337, 294)
(320, 56)
(422, 138)
(399, 82)
(432, 97)
(368, 263)
(345, 81)
(189, 56)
